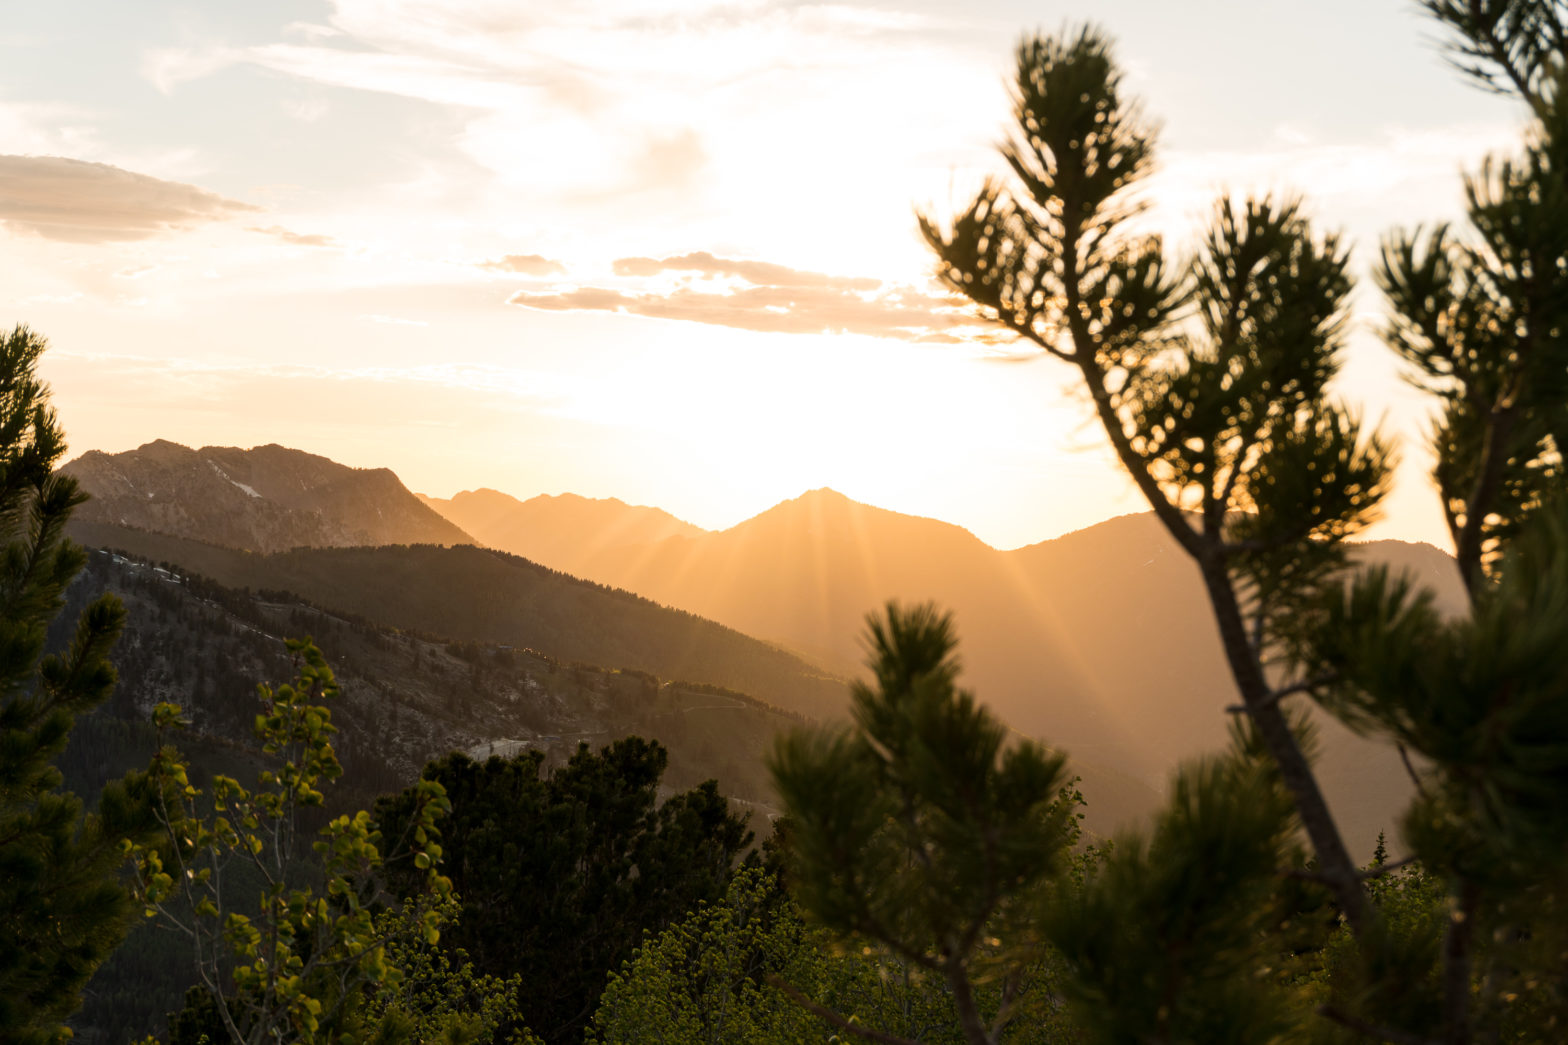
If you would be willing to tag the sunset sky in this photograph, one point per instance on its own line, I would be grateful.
(662, 250)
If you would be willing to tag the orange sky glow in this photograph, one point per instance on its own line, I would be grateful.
(661, 250)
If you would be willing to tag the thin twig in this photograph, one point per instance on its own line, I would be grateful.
(1388, 868)
(1371, 1030)
(1415, 778)
(1274, 697)
(834, 1018)
(1323, 879)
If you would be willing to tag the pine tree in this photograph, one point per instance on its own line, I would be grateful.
(62, 910)
(561, 872)
(923, 830)
(1210, 377)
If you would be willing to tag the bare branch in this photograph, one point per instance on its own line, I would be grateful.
(1322, 879)
(1388, 868)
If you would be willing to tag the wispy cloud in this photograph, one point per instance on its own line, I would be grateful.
(525, 264)
(83, 202)
(757, 272)
(168, 67)
(762, 296)
(598, 102)
(297, 239)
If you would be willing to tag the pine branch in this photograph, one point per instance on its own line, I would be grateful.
(1371, 1030)
(823, 1012)
(1304, 686)
(1415, 778)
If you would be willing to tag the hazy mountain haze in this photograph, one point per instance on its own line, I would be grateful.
(564, 531)
(1101, 641)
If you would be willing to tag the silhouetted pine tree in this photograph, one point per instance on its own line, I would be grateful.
(61, 908)
(1210, 378)
(925, 831)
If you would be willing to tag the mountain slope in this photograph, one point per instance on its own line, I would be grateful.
(807, 571)
(405, 699)
(562, 532)
(269, 498)
(477, 594)
(1100, 641)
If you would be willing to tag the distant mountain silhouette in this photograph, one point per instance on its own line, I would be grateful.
(1100, 641)
(266, 499)
(562, 532)
(807, 571)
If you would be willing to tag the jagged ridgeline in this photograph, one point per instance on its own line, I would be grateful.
(269, 498)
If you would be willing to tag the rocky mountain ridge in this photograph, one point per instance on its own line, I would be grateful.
(269, 498)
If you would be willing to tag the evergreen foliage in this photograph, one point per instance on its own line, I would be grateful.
(560, 873)
(62, 908)
(923, 829)
(1168, 936)
(733, 972)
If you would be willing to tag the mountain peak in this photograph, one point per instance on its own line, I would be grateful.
(160, 450)
(267, 498)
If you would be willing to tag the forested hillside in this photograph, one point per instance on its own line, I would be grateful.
(481, 595)
(406, 699)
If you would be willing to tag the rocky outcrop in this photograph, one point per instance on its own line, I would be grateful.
(266, 499)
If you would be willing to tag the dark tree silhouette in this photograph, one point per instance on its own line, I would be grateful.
(62, 910)
(560, 873)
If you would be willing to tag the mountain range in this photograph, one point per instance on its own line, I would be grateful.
(1099, 641)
